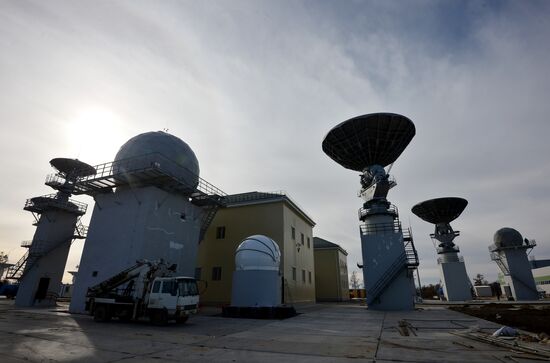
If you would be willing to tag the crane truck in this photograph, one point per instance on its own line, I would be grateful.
(147, 289)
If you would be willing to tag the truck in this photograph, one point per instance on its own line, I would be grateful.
(146, 290)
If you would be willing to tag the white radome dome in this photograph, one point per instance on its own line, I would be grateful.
(258, 252)
(164, 150)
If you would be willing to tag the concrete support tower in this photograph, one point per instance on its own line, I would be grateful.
(40, 270)
(368, 144)
(150, 204)
(509, 251)
(442, 211)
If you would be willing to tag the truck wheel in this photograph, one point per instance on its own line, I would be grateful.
(182, 319)
(101, 313)
(159, 317)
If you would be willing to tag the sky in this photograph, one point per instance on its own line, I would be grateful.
(254, 86)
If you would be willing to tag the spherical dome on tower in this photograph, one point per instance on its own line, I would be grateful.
(163, 150)
(507, 237)
(258, 252)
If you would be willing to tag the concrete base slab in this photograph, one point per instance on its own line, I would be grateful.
(321, 333)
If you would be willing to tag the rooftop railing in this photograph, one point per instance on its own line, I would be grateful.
(440, 260)
(148, 169)
(39, 204)
(527, 244)
(380, 228)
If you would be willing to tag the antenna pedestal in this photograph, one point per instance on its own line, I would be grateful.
(368, 144)
(455, 280)
(510, 254)
(441, 211)
(387, 269)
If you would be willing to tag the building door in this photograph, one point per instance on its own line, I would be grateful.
(42, 288)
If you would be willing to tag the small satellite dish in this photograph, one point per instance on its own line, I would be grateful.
(440, 210)
(72, 167)
(372, 139)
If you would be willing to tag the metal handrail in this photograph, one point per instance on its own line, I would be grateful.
(525, 245)
(26, 244)
(377, 228)
(440, 260)
(51, 200)
(362, 212)
(447, 249)
(54, 179)
(153, 161)
(387, 277)
(36, 250)
(15, 271)
(495, 256)
(81, 229)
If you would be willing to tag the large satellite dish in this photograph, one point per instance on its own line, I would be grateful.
(73, 167)
(373, 139)
(440, 210)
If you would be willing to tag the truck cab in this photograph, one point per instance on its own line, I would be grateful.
(177, 297)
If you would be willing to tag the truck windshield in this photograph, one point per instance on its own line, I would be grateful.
(187, 287)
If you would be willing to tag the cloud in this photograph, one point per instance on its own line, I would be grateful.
(253, 87)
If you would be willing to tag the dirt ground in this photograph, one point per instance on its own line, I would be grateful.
(532, 318)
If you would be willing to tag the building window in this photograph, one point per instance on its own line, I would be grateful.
(198, 272)
(94, 274)
(294, 273)
(293, 232)
(304, 276)
(220, 232)
(309, 276)
(308, 243)
(216, 273)
(302, 238)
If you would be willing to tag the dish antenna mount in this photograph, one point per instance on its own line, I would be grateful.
(368, 144)
(441, 212)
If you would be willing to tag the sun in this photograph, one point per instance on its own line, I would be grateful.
(94, 135)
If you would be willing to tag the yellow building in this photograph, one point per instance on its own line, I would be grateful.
(331, 271)
(272, 214)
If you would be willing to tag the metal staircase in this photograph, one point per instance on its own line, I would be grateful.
(37, 250)
(495, 256)
(15, 272)
(81, 231)
(208, 217)
(407, 260)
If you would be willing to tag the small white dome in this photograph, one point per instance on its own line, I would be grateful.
(166, 151)
(257, 252)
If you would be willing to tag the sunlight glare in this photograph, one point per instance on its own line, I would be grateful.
(94, 135)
